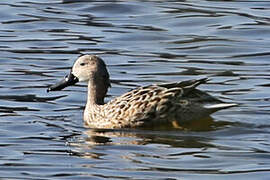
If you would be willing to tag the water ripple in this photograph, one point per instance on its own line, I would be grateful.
(42, 135)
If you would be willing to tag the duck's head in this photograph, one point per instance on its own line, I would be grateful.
(89, 68)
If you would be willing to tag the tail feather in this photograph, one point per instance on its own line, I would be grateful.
(216, 107)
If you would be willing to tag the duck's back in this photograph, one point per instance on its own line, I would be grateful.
(158, 104)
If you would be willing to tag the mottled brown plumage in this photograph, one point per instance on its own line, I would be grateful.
(168, 103)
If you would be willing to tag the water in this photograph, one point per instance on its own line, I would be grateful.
(143, 42)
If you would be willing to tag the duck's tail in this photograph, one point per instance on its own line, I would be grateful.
(219, 106)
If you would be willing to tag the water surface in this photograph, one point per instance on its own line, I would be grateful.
(143, 42)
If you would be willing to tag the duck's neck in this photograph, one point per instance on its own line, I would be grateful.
(96, 92)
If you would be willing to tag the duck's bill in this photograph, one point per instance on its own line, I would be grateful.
(69, 80)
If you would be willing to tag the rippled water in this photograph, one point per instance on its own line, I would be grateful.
(143, 42)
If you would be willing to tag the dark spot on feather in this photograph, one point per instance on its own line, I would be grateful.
(122, 106)
(143, 97)
(142, 92)
(156, 99)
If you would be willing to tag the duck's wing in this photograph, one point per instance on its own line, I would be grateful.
(162, 101)
(195, 95)
(196, 98)
(185, 84)
(190, 92)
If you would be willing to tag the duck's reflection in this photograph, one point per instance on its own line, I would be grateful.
(192, 135)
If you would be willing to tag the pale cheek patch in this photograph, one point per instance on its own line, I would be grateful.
(83, 79)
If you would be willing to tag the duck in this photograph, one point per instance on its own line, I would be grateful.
(173, 103)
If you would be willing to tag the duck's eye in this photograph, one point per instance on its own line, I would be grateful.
(82, 64)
